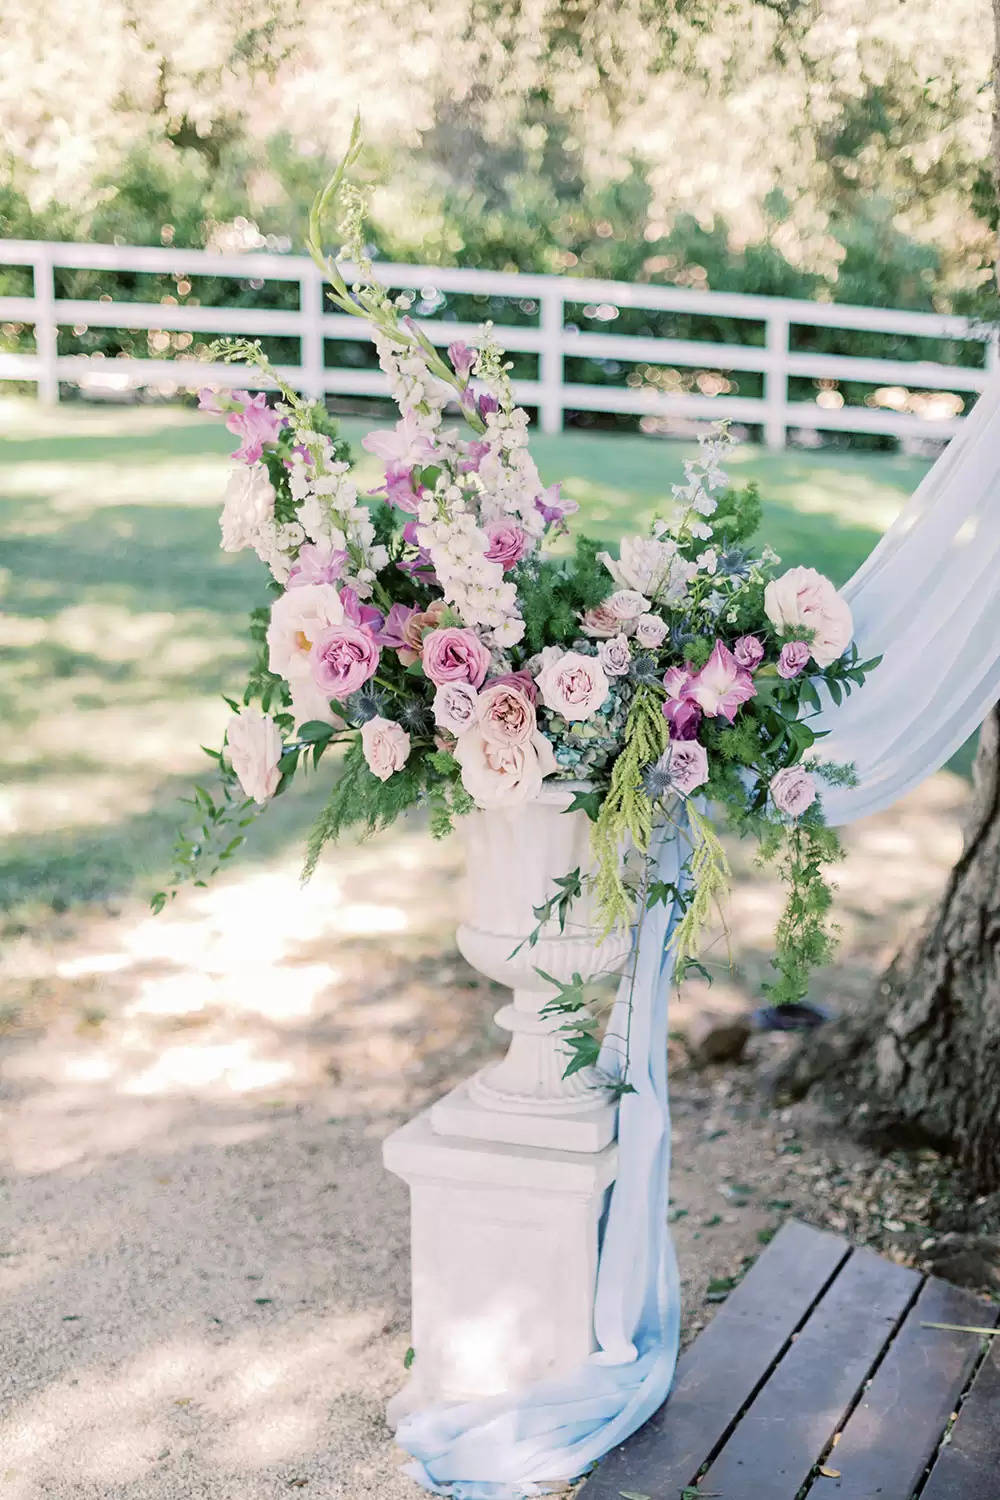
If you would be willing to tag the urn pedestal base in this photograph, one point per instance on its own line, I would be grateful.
(505, 1244)
(467, 1111)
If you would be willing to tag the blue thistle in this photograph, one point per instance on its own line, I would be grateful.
(365, 704)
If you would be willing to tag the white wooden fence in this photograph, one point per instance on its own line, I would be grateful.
(552, 338)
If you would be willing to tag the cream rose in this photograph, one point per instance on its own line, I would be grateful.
(505, 715)
(572, 685)
(386, 746)
(503, 775)
(255, 748)
(804, 599)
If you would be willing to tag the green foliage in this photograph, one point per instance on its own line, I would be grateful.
(360, 799)
(804, 939)
(557, 589)
(708, 872)
(221, 816)
(627, 811)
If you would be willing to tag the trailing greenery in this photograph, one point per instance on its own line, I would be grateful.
(627, 812)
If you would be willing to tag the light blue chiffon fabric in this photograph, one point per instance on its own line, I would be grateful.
(929, 599)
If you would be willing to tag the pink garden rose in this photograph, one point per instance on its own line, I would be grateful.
(297, 618)
(505, 715)
(650, 631)
(600, 623)
(687, 765)
(254, 424)
(522, 680)
(749, 652)
(454, 654)
(793, 790)
(627, 605)
(254, 744)
(794, 659)
(722, 684)
(573, 686)
(804, 599)
(503, 775)
(386, 746)
(507, 543)
(343, 657)
(615, 656)
(455, 707)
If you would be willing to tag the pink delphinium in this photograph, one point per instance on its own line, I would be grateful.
(462, 358)
(454, 654)
(722, 684)
(343, 658)
(794, 659)
(405, 445)
(254, 423)
(365, 615)
(553, 508)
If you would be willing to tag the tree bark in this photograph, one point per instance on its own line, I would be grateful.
(922, 1062)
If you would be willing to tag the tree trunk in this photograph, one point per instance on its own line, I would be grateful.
(922, 1062)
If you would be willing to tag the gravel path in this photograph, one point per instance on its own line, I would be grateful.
(202, 1261)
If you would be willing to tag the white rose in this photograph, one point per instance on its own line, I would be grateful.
(503, 775)
(254, 744)
(615, 656)
(297, 618)
(650, 566)
(573, 686)
(804, 599)
(247, 505)
(386, 746)
(650, 631)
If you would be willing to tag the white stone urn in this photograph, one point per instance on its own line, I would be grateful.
(513, 858)
(509, 1174)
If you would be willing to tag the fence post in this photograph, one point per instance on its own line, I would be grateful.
(776, 383)
(311, 306)
(46, 326)
(550, 360)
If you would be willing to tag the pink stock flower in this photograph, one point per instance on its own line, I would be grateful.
(722, 684)
(407, 444)
(794, 659)
(687, 766)
(505, 715)
(507, 543)
(254, 747)
(317, 562)
(208, 400)
(343, 657)
(749, 652)
(254, 425)
(386, 746)
(455, 707)
(454, 654)
(573, 686)
(400, 490)
(475, 452)
(793, 790)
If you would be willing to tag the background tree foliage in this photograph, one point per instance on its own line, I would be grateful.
(836, 148)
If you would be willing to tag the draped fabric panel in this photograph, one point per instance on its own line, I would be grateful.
(928, 599)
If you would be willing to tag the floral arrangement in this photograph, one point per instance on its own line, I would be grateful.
(460, 648)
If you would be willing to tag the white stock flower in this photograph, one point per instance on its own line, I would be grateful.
(247, 506)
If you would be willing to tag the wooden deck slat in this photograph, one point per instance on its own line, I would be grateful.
(968, 1467)
(773, 1449)
(723, 1368)
(893, 1432)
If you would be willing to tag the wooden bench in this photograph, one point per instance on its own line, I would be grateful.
(817, 1378)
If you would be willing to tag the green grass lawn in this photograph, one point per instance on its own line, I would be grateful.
(122, 622)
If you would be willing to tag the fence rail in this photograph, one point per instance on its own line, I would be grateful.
(553, 338)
